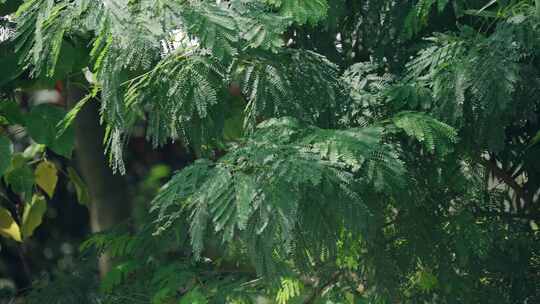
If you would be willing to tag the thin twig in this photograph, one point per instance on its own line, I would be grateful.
(508, 180)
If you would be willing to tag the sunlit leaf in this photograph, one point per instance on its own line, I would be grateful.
(33, 215)
(8, 226)
(32, 150)
(67, 121)
(46, 177)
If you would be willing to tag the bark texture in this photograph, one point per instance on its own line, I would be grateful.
(109, 199)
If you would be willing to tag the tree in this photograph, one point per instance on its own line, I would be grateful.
(382, 152)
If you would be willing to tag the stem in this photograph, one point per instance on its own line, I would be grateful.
(537, 4)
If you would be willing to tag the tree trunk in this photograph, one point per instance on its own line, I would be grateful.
(109, 200)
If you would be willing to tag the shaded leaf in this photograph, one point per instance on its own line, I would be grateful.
(302, 11)
(9, 63)
(80, 187)
(234, 122)
(20, 179)
(33, 215)
(41, 125)
(535, 140)
(11, 111)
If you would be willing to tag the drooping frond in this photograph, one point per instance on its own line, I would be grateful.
(180, 95)
(301, 11)
(384, 171)
(418, 17)
(467, 82)
(436, 57)
(436, 136)
(273, 90)
(366, 88)
(174, 193)
(214, 27)
(263, 192)
(259, 28)
(42, 26)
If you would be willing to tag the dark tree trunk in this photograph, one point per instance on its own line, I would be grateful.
(110, 203)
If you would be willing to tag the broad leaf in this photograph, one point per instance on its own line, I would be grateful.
(42, 127)
(9, 63)
(11, 111)
(8, 226)
(80, 187)
(20, 179)
(34, 149)
(46, 176)
(33, 215)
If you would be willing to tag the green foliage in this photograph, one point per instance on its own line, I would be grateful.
(41, 125)
(290, 288)
(78, 286)
(404, 171)
(33, 215)
(11, 111)
(6, 149)
(435, 135)
(214, 27)
(456, 67)
(181, 95)
(273, 85)
(418, 17)
(41, 28)
(301, 11)
(80, 187)
(277, 172)
(20, 178)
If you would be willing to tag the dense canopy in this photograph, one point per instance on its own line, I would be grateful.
(336, 151)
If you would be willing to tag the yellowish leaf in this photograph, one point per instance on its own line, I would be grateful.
(33, 215)
(46, 177)
(8, 226)
(80, 187)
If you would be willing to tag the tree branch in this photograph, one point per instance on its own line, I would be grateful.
(507, 179)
